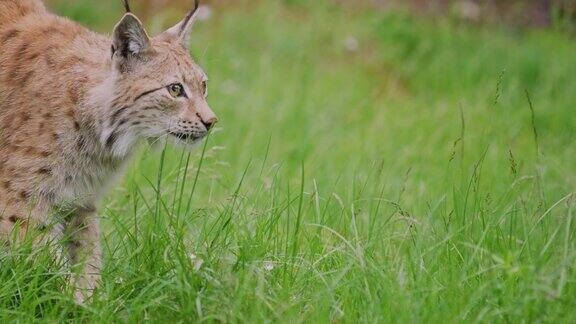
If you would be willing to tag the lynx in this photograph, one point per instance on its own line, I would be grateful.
(73, 107)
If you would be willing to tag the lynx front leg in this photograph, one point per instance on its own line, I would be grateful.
(19, 223)
(85, 251)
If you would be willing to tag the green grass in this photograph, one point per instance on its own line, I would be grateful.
(408, 180)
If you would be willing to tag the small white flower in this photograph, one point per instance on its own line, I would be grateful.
(352, 44)
(268, 265)
(196, 261)
(119, 280)
(198, 264)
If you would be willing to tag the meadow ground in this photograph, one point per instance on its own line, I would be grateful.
(369, 166)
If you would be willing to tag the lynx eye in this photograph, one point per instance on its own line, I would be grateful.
(205, 88)
(176, 90)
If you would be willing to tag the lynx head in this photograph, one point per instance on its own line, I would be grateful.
(158, 90)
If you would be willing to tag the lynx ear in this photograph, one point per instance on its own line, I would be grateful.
(182, 30)
(130, 41)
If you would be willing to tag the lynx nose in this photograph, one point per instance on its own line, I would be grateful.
(210, 123)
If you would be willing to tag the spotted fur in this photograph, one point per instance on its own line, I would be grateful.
(73, 106)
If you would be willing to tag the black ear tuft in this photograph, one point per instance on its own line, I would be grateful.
(182, 30)
(127, 6)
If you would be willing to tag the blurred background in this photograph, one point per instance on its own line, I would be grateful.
(543, 13)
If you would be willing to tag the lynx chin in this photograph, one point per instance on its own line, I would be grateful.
(73, 106)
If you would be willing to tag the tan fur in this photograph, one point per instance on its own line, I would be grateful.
(73, 106)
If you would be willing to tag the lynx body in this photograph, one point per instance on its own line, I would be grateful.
(73, 106)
